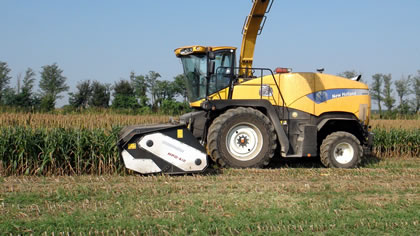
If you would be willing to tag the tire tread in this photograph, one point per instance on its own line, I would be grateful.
(326, 147)
(216, 126)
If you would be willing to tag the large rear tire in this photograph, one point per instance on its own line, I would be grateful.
(341, 150)
(242, 138)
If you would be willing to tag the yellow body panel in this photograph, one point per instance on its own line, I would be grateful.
(326, 81)
(297, 88)
(197, 49)
(343, 104)
(251, 90)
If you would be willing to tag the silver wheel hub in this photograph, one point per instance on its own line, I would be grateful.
(343, 153)
(244, 141)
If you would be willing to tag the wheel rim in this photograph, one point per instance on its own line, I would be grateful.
(343, 153)
(244, 141)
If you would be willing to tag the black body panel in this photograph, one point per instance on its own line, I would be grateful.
(298, 132)
(270, 111)
(196, 122)
(133, 134)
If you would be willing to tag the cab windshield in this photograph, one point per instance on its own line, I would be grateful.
(195, 70)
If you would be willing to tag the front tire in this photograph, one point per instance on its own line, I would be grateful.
(341, 150)
(242, 138)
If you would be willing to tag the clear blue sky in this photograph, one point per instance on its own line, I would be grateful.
(105, 40)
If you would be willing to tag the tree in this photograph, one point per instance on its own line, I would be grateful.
(124, 96)
(52, 83)
(80, 99)
(4, 78)
(151, 79)
(164, 90)
(47, 102)
(140, 88)
(28, 82)
(376, 91)
(416, 90)
(9, 97)
(180, 87)
(26, 96)
(403, 89)
(23, 95)
(389, 100)
(171, 107)
(349, 74)
(101, 94)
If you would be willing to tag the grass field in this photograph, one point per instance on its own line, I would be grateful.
(383, 197)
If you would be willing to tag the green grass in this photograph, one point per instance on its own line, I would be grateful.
(382, 198)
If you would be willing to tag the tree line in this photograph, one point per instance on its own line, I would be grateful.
(140, 94)
(382, 92)
(407, 89)
(148, 93)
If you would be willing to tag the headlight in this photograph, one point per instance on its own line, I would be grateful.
(186, 51)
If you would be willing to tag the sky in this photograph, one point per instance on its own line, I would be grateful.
(105, 40)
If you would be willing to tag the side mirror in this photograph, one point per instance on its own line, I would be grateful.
(212, 66)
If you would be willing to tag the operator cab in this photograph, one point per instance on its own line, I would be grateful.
(207, 69)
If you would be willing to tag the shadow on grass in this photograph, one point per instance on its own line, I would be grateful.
(313, 162)
(308, 163)
(277, 163)
(212, 169)
(370, 160)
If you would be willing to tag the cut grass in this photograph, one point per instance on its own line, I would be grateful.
(383, 197)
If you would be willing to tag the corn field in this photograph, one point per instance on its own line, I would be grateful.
(107, 121)
(45, 144)
(79, 121)
(397, 142)
(395, 124)
(59, 151)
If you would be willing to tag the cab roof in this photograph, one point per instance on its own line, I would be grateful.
(187, 50)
